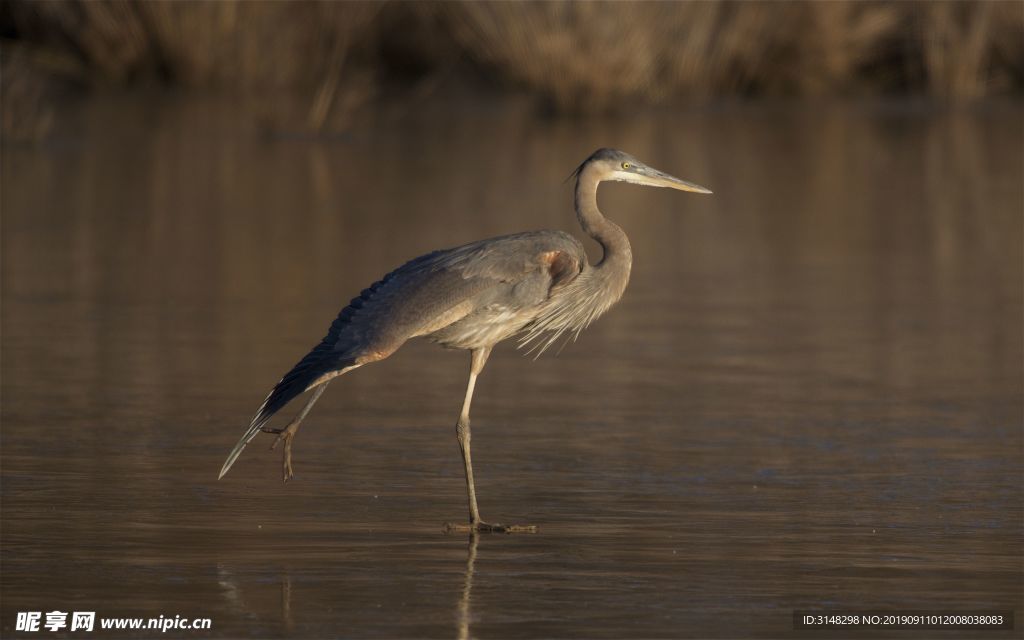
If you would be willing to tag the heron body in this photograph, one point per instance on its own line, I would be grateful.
(537, 285)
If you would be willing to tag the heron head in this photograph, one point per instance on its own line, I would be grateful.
(619, 166)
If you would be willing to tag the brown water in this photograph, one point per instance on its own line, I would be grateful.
(810, 396)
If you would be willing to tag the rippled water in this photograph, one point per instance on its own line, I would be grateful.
(810, 396)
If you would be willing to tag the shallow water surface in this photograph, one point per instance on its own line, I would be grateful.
(809, 398)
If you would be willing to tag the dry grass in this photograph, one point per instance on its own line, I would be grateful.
(577, 55)
(27, 114)
(200, 43)
(300, 48)
(596, 54)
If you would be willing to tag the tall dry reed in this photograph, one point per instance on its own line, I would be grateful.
(578, 55)
(598, 54)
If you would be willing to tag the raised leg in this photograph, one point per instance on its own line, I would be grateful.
(288, 433)
(462, 430)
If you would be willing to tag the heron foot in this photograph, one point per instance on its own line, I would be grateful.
(286, 435)
(485, 527)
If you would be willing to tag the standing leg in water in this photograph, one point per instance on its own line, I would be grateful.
(462, 430)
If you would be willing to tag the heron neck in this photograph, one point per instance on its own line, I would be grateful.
(609, 235)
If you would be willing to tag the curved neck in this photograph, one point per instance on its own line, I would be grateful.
(609, 235)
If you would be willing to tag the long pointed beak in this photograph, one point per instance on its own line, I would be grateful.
(655, 178)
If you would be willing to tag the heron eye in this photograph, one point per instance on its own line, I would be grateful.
(625, 165)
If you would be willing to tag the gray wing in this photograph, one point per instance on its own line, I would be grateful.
(439, 289)
(428, 294)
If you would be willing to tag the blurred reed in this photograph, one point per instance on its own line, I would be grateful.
(281, 47)
(594, 54)
(590, 56)
(198, 43)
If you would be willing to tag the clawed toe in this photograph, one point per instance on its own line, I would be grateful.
(486, 527)
(286, 435)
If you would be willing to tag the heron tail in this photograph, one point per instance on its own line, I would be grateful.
(319, 365)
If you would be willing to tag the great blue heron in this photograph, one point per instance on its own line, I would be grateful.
(537, 285)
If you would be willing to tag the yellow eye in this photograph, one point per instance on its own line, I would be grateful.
(625, 165)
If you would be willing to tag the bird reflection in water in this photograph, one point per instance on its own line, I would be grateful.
(232, 591)
(463, 612)
(286, 602)
(232, 588)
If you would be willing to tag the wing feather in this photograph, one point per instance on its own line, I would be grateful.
(437, 288)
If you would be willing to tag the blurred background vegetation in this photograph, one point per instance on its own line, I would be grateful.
(333, 59)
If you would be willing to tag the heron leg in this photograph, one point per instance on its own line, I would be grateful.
(462, 430)
(287, 434)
